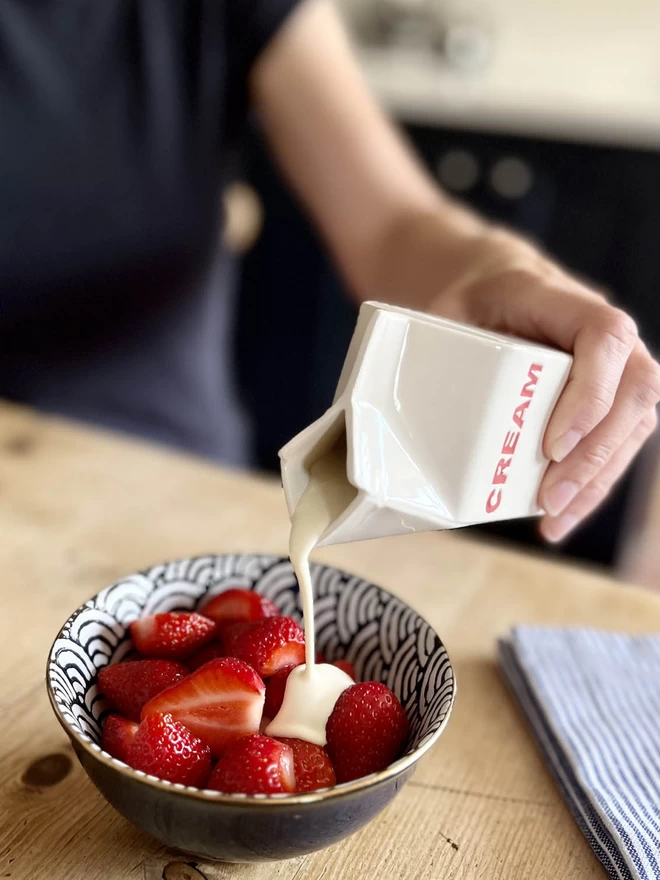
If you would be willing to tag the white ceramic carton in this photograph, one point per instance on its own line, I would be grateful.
(443, 422)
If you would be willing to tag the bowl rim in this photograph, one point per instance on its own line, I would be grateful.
(211, 796)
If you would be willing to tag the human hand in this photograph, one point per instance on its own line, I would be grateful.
(608, 408)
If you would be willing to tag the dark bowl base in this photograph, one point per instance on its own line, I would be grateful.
(225, 832)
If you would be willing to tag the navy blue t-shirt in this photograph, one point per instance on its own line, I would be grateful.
(118, 123)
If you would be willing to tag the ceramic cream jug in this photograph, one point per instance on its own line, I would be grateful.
(443, 426)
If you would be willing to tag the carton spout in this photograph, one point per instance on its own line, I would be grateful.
(324, 439)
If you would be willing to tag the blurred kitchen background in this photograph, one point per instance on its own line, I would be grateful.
(542, 114)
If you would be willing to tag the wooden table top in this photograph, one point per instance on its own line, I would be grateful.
(78, 509)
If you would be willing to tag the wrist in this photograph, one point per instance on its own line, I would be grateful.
(420, 255)
(492, 260)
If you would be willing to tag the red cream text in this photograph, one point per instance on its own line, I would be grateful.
(508, 449)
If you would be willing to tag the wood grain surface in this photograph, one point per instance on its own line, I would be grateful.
(79, 509)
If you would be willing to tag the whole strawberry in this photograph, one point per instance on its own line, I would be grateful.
(229, 632)
(209, 652)
(118, 735)
(366, 730)
(166, 748)
(255, 765)
(172, 635)
(239, 605)
(312, 765)
(128, 686)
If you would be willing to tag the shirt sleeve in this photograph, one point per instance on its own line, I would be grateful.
(253, 24)
(250, 26)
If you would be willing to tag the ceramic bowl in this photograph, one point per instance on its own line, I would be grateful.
(382, 636)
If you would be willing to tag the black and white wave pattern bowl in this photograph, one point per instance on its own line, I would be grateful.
(382, 636)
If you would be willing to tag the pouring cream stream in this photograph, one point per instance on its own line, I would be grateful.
(313, 688)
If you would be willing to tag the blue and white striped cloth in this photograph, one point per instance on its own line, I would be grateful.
(593, 702)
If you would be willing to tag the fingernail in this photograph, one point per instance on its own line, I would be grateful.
(556, 529)
(559, 496)
(565, 444)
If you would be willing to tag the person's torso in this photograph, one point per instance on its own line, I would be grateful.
(115, 120)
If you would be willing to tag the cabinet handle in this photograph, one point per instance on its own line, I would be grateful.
(458, 170)
(511, 178)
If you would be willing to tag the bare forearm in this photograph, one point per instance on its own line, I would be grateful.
(420, 255)
(393, 234)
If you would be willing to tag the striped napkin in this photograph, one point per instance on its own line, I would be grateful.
(593, 702)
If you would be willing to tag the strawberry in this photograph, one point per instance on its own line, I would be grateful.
(132, 655)
(319, 658)
(366, 730)
(118, 735)
(236, 605)
(175, 634)
(220, 702)
(165, 748)
(130, 685)
(209, 652)
(229, 632)
(270, 644)
(346, 667)
(311, 764)
(275, 687)
(255, 765)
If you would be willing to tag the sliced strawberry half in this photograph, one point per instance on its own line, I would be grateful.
(312, 765)
(118, 735)
(271, 644)
(167, 749)
(173, 635)
(366, 730)
(220, 702)
(255, 765)
(129, 685)
(236, 605)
